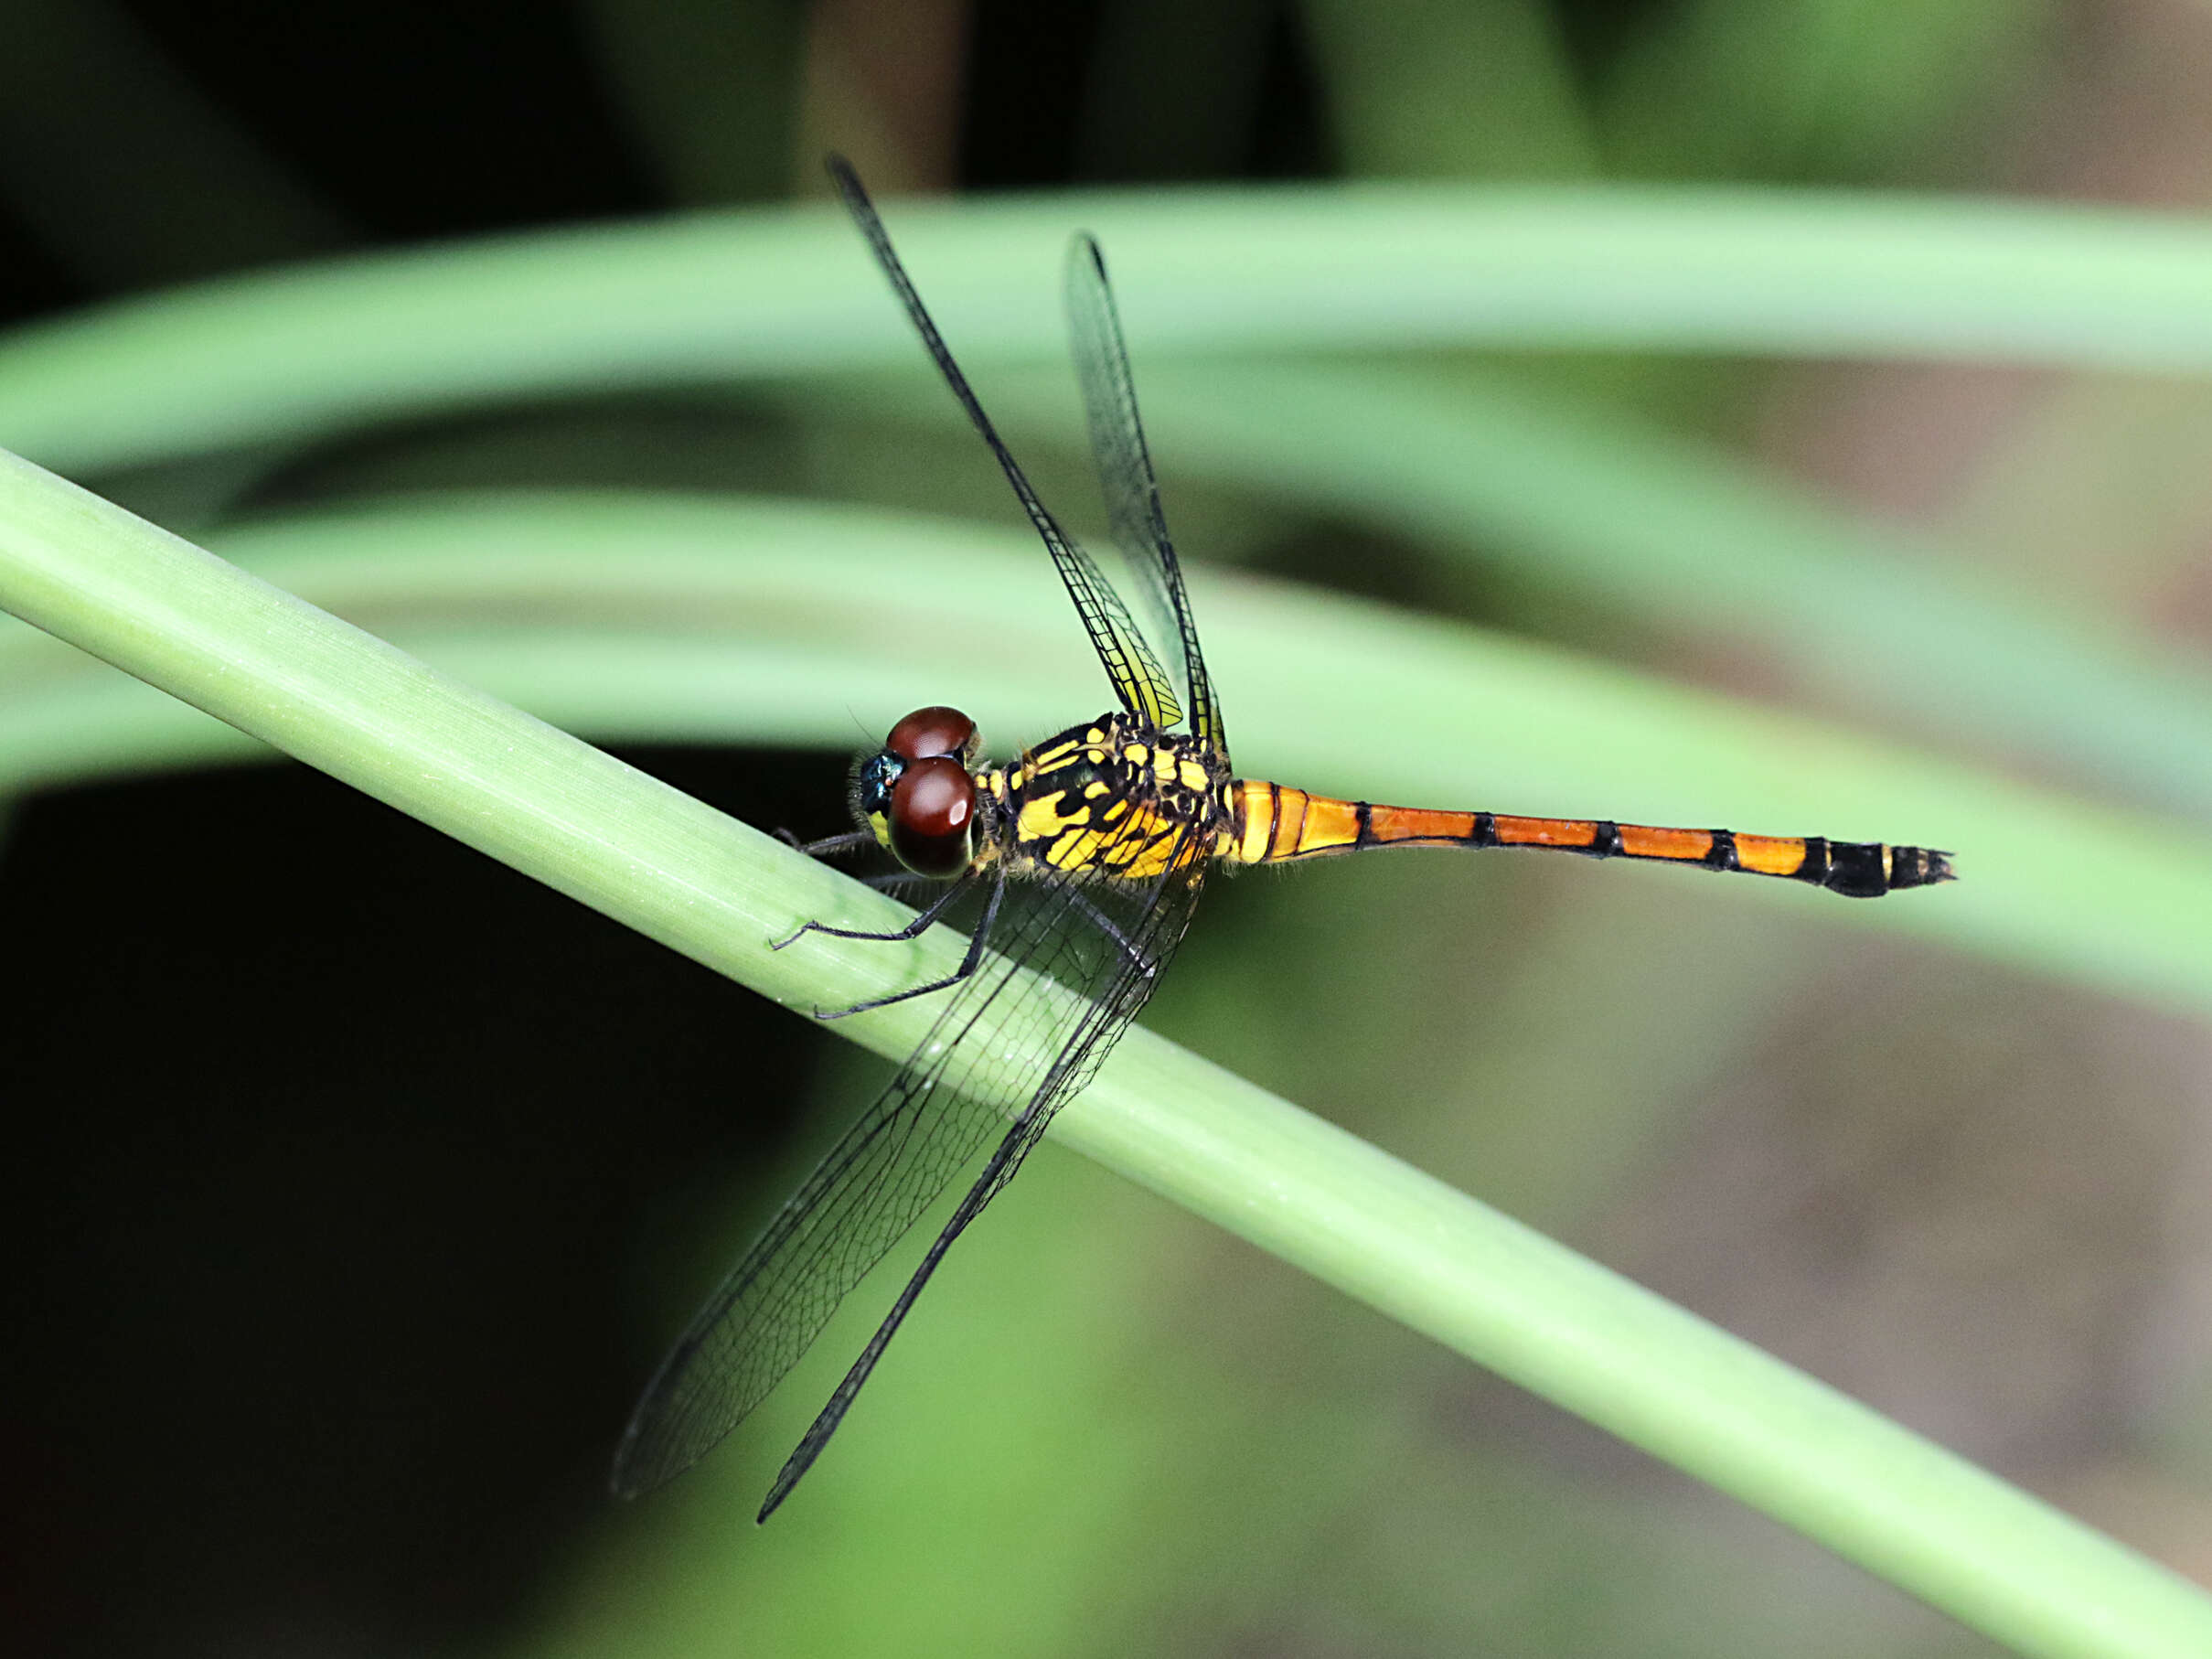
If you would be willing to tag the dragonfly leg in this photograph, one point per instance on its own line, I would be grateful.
(828, 843)
(918, 925)
(976, 944)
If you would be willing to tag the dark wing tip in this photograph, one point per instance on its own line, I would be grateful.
(664, 1436)
(637, 1471)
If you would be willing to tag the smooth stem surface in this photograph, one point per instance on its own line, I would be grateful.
(1650, 525)
(1486, 1287)
(651, 617)
(1603, 1348)
(289, 353)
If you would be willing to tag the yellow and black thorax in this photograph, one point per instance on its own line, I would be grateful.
(1112, 798)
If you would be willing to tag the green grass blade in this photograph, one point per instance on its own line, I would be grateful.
(657, 616)
(1658, 1378)
(1648, 524)
(287, 354)
(551, 805)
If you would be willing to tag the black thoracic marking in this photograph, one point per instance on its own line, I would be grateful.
(1854, 870)
(1604, 839)
(1485, 832)
(1721, 855)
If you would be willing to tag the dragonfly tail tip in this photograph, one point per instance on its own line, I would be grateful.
(1920, 867)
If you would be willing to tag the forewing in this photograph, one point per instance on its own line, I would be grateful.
(1132, 492)
(1099, 949)
(1144, 688)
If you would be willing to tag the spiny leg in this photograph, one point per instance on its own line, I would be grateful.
(891, 879)
(921, 920)
(828, 843)
(977, 942)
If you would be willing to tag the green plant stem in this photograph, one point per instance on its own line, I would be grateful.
(1648, 525)
(288, 354)
(551, 805)
(650, 617)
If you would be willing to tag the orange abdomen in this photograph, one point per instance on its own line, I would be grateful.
(1273, 823)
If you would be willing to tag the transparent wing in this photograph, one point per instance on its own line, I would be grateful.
(1101, 948)
(1132, 492)
(1142, 684)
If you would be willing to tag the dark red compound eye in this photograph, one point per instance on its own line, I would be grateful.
(928, 731)
(932, 816)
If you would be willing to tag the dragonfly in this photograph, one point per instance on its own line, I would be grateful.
(1080, 862)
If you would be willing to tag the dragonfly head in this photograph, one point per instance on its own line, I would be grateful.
(917, 794)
